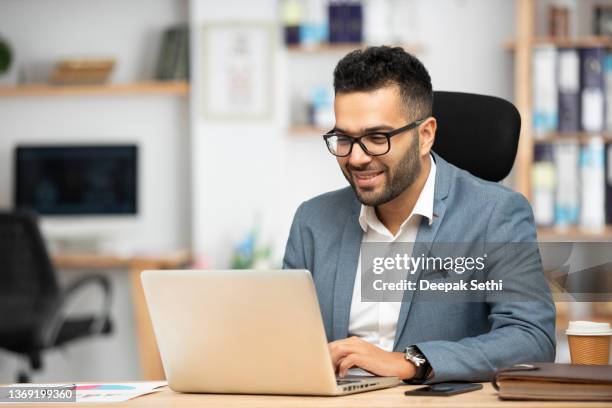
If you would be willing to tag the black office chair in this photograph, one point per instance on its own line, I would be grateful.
(32, 305)
(477, 133)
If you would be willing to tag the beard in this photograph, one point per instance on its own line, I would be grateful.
(397, 179)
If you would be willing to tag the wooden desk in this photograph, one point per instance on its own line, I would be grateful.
(391, 397)
(150, 362)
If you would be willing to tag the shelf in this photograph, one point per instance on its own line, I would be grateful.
(568, 42)
(574, 233)
(179, 88)
(307, 130)
(558, 137)
(344, 47)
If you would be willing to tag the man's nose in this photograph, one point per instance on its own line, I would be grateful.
(358, 157)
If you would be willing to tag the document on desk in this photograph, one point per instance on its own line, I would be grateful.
(86, 392)
(116, 392)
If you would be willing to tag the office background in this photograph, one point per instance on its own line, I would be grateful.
(206, 182)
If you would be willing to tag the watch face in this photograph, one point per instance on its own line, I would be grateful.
(414, 356)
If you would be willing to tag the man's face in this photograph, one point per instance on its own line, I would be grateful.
(377, 179)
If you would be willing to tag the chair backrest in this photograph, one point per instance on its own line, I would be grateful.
(477, 133)
(26, 270)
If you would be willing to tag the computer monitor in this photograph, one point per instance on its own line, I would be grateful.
(77, 180)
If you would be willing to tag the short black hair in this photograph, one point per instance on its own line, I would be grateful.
(377, 67)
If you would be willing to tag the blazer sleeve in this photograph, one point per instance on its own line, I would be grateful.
(522, 328)
(295, 257)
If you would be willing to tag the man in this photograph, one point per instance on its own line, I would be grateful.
(401, 191)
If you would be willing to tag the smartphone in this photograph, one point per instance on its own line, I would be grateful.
(445, 389)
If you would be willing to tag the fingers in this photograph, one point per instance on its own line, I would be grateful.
(337, 352)
(340, 349)
(346, 363)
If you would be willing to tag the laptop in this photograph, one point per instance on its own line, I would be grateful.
(245, 332)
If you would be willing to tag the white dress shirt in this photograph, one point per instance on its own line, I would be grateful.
(376, 322)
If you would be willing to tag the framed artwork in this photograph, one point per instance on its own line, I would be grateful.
(238, 68)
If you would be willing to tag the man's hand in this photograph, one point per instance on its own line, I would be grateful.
(354, 351)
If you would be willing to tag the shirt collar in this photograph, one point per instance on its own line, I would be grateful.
(423, 206)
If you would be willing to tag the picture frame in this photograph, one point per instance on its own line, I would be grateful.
(238, 63)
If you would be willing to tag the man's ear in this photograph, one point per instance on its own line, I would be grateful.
(427, 135)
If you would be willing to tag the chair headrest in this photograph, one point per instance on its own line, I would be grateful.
(477, 133)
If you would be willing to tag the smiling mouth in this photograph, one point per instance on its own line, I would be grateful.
(366, 175)
(367, 179)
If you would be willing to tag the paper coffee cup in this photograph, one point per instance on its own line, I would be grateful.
(589, 342)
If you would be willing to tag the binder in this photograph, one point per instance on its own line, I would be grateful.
(567, 202)
(593, 183)
(609, 184)
(545, 93)
(354, 23)
(337, 29)
(608, 85)
(569, 90)
(543, 185)
(593, 89)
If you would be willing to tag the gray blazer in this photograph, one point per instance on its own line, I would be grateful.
(463, 341)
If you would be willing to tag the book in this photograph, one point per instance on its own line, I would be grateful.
(543, 185)
(292, 15)
(569, 90)
(181, 65)
(313, 29)
(593, 184)
(354, 23)
(592, 89)
(602, 20)
(173, 59)
(167, 54)
(545, 92)
(376, 18)
(345, 21)
(567, 199)
(336, 22)
(557, 382)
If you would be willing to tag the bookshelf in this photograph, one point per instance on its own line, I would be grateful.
(178, 88)
(581, 137)
(522, 46)
(570, 42)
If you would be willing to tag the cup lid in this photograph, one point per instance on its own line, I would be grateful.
(584, 328)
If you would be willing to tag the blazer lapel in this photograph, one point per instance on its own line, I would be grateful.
(426, 236)
(345, 273)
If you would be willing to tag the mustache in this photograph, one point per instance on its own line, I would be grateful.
(349, 167)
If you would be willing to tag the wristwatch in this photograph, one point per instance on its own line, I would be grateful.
(423, 368)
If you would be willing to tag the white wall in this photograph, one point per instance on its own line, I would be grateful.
(236, 179)
(41, 32)
(254, 170)
(130, 32)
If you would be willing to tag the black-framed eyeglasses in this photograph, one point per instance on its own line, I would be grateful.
(373, 143)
